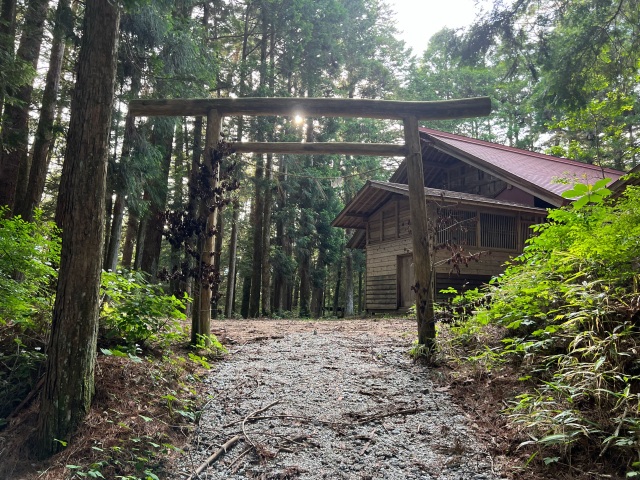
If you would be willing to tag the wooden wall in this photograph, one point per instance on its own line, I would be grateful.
(389, 237)
(462, 177)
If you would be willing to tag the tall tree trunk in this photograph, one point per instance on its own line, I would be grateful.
(115, 232)
(257, 220)
(192, 209)
(163, 136)
(305, 283)
(108, 211)
(71, 354)
(336, 294)
(278, 278)
(215, 294)
(295, 295)
(112, 174)
(246, 295)
(177, 204)
(266, 240)
(233, 247)
(129, 240)
(7, 38)
(317, 293)
(14, 158)
(140, 238)
(43, 140)
(348, 283)
(111, 261)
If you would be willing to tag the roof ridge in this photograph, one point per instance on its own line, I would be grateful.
(499, 146)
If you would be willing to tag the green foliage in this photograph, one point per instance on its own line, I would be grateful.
(136, 311)
(589, 106)
(569, 305)
(28, 253)
(421, 352)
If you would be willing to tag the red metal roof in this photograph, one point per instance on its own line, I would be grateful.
(532, 169)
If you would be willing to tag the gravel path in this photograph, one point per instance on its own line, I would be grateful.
(349, 406)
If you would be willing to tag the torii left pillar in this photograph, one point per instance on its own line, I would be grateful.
(201, 314)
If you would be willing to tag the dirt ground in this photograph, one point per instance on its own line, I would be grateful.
(245, 331)
(480, 393)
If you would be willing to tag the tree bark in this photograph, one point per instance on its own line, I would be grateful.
(129, 240)
(40, 153)
(317, 293)
(215, 293)
(305, 283)
(140, 238)
(111, 262)
(336, 294)
(258, 210)
(246, 294)
(348, 283)
(115, 232)
(14, 158)
(7, 38)
(69, 379)
(192, 209)
(266, 240)
(176, 287)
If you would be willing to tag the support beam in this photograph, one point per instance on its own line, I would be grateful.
(420, 236)
(314, 107)
(299, 148)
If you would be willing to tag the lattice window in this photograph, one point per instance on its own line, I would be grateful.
(498, 231)
(458, 227)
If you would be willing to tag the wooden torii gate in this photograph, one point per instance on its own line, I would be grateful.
(408, 112)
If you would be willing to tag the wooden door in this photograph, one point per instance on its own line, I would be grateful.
(406, 278)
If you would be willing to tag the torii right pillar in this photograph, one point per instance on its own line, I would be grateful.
(424, 277)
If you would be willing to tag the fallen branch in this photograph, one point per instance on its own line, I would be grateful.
(222, 450)
(317, 421)
(248, 417)
(233, 467)
(378, 416)
(231, 442)
(366, 447)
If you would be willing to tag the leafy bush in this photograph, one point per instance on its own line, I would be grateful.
(28, 253)
(136, 311)
(570, 304)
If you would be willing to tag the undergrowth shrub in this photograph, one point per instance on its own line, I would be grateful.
(28, 253)
(570, 305)
(134, 311)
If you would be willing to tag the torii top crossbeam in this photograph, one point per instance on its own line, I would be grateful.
(314, 107)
